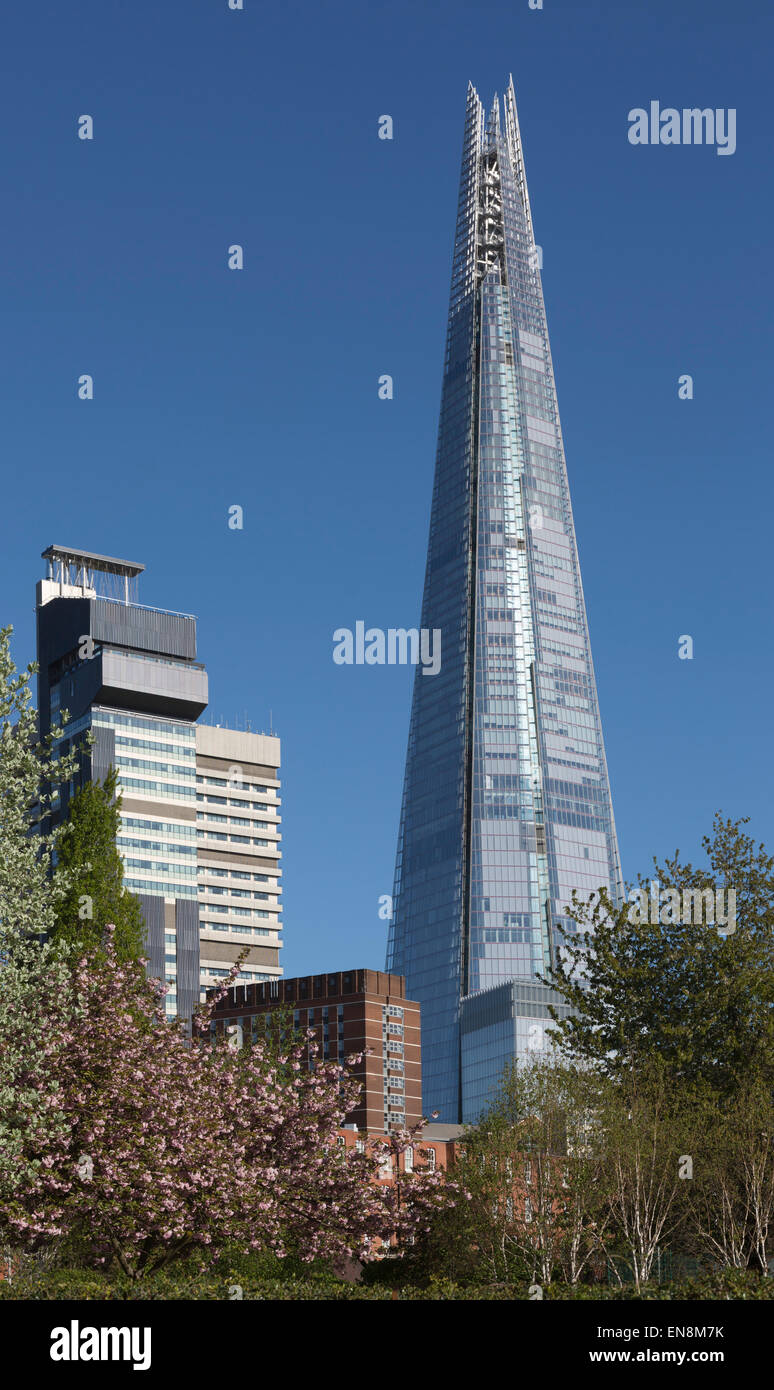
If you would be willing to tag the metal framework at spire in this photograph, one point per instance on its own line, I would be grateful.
(479, 240)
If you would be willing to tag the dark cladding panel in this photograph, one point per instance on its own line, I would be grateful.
(187, 927)
(153, 912)
(103, 753)
(157, 686)
(169, 634)
(61, 624)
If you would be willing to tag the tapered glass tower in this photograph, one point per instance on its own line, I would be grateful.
(506, 801)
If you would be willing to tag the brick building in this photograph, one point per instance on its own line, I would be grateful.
(439, 1145)
(350, 1011)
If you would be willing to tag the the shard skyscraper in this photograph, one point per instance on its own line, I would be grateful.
(506, 801)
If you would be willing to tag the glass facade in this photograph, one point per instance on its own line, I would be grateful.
(158, 756)
(506, 802)
(506, 1020)
(159, 852)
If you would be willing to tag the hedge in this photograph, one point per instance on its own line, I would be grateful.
(89, 1285)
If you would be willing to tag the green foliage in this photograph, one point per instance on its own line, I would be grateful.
(646, 1127)
(728, 1284)
(89, 862)
(30, 777)
(571, 1173)
(34, 985)
(86, 1285)
(532, 1167)
(695, 998)
(255, 1266)
(730, 1199)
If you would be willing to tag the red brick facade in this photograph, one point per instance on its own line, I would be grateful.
(350, 1011)
(436, 1148)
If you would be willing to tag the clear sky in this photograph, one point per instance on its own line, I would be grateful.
(259, 388)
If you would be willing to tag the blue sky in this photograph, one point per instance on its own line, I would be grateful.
(259, 387)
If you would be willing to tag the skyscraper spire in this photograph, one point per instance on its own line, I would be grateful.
(506, 802)
(513, 137)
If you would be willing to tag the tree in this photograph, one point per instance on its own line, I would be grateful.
(34, 983)
(168, 1146)
(112, 1121)
(87, 852)
(685, 992)
(650, 1141)
(31, 773)
(731, 1197)
(416, 1192)
(533, 1166)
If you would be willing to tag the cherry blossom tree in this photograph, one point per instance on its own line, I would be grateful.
(160, 1145)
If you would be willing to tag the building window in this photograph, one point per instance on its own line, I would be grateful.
(430, 1159)
(408, 1160)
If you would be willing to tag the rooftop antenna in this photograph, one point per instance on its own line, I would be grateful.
(271, 724)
